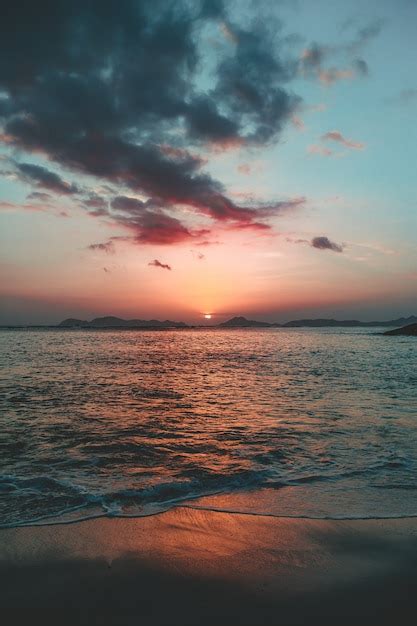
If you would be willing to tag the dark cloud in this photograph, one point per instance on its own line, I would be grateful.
(361, 67)
(99, 213)
(42, 177)
(127, 205)
(151, 224)
(99, 86)
(205, 122)
(94, 201)
(251, 84)
(313, 57)
(324, 243)
(107, 247)
(156, 263)
(39, 196)
(364, 35)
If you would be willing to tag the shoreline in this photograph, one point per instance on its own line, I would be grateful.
(195, 566)
(56, 521)
(259, 502)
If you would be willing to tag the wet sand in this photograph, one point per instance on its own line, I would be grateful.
(192, 566)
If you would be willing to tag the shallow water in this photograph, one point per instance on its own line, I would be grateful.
(323, 421)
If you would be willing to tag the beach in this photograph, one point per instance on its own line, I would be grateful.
(198, 566)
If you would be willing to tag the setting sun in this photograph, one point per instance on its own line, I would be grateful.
(207, 316)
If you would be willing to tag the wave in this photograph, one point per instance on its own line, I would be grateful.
(82, 504)
(144, 501)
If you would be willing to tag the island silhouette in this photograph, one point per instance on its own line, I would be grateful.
(238, 322)
(409, 331)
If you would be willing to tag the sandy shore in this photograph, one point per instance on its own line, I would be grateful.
(190, 566)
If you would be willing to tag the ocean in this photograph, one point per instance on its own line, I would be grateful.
(315, 423)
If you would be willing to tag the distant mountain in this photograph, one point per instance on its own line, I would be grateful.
(317, 323)
(117, 322)
(409, 331)
(73, 323)
(234, 322)
(242, 322)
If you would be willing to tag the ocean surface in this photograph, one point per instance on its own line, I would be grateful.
(293, 422)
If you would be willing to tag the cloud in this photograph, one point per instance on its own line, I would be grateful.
(251, 83)
(364, 35)
(93, 201)
(244, 168)
(156, 263)
(337, 136)
(311, 65)
(107, 247)
(198, 255)
(298, 123)
(324, 243)
(127, 204)
(150, 224)
(333, 75)
(39, 196)
(228, 33)
(321, 150)
(315, 58)
(25, 206)
(254, 167)
(207, 242)
(361, 67)
(42, 177)
(112, 90)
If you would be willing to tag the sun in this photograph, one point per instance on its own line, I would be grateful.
(207, 316)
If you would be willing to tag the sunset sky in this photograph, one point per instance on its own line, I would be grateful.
(171, 160)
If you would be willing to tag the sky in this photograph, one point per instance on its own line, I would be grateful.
(176, 159)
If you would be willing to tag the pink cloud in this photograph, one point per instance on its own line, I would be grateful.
(337, 136)
(320, 150)
(26, 206)
(298, 123)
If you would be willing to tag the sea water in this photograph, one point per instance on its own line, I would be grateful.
(298, 422)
